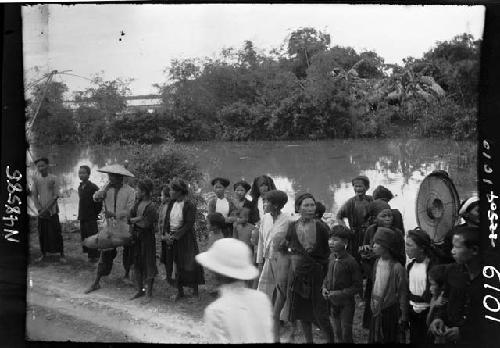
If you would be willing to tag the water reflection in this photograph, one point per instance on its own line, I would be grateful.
(323, 168)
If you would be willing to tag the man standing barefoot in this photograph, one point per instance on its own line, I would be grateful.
(45, 194)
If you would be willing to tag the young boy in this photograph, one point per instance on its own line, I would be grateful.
(461, 320)
(45, 194)
(356, 212)
(88, 210)
(342, 282)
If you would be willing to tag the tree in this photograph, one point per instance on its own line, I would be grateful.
(54, 122)
(303, 44)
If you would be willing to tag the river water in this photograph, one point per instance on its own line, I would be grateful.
(324, 168)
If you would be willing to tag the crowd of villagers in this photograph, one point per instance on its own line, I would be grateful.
(272, 267)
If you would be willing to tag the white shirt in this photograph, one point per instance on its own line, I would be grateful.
(260, 206)
(417, 281)
(239, 315)
(268, 230)
(176, 219)
(222, 206)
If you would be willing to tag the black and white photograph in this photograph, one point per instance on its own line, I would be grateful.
(253, 173)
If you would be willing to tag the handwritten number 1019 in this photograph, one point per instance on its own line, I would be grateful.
(490, 272)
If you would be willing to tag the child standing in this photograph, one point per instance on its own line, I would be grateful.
(242, 228)
(438, 301)
(389, 300)
(342, 282)
(143, 218)
(461, 320)
(356, 212)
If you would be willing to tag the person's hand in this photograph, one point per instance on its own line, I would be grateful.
(437, 327)
(43, 212)
(324, 292)
(440, 301)
(452, 334)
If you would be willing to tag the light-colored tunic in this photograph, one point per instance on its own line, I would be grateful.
(239, 315)
(44, 190)
(176, 216)
(222, 206)
(270, 233)
(125, 200)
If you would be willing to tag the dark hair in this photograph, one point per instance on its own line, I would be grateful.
(165, 190)
(470, 236)
(320, 210)
(301, 198)
(42, 159)
(179, 185)
(146, 185)
(364, 179)
(340, 231)
(382, 192)
(246, 186)
(259, 181)
(277, 198)
(438, 274)
(422, 240)
(86, 168)
(216, 220)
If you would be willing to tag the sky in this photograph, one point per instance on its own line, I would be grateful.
(139, 41)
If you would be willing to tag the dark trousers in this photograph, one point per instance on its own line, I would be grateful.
(49, 235)
(105, 264)
(418, 327)
(343, 316)
(89, 228)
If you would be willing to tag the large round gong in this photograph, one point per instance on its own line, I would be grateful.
(437, 205)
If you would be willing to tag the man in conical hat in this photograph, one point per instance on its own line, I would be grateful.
(118, 199)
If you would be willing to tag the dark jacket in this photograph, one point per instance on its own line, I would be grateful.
(465, 302)
(88, 209)
(426, 296)
(185, 246)
(344, 277)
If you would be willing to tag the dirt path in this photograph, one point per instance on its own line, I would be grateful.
(59, 306)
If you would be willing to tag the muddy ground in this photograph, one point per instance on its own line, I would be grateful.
(58, 310)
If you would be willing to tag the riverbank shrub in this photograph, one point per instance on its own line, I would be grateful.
(163, 163)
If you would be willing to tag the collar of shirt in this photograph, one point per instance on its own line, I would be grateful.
(228, 289)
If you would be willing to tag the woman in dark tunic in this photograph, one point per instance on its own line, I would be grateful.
(307, 242)
(180, 246)
(143, 218)
(386, 195)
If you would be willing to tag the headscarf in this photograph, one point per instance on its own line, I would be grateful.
(363, 178)
(375, 207)
(179, 185)
(320, 210)
(146, 185)
(300, 199)
(277, 197)
(246, 186)
(382, 192)
(422, 240)
(223, 181)
(392, 241)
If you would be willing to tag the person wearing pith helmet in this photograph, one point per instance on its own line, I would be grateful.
(240, 314)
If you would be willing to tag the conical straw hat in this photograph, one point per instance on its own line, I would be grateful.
(115, 169)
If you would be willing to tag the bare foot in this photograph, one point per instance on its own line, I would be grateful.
(147, 300)
(137, 295)
(92, 288)
(40, 259)
(63, 260)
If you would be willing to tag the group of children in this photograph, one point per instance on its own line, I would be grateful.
(436, 300)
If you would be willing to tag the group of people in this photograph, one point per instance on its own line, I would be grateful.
(272, 267)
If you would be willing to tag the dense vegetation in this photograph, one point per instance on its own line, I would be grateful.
(307, 89)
